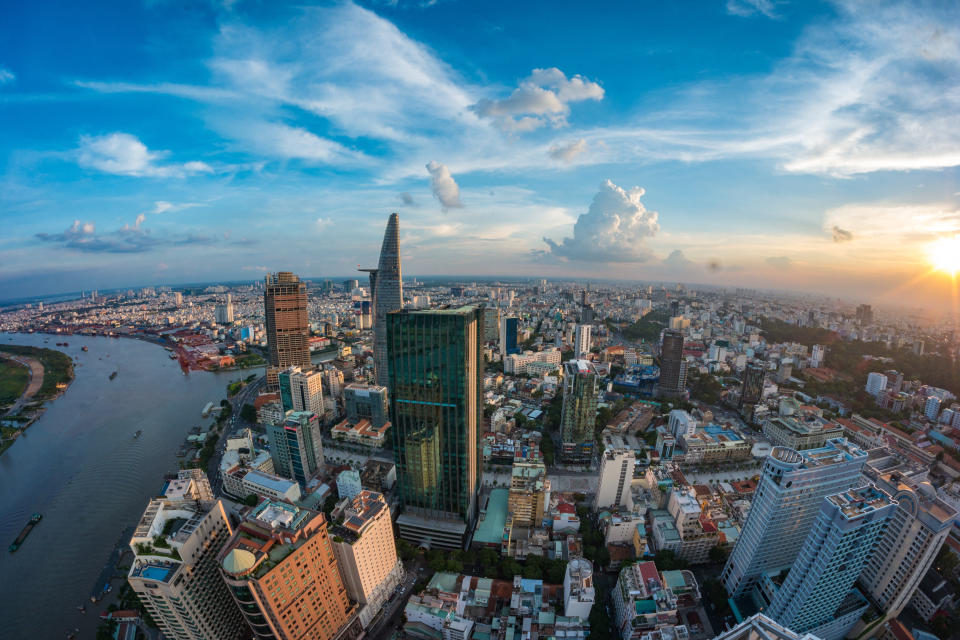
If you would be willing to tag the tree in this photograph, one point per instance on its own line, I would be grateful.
(667, 560)
(251, 500)
(406, 550)
(718, 554)
(248, 413)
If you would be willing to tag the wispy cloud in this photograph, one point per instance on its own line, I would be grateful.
(6, 76)
(749, 8)
(134, 238)
(124, 154)
(613, 229)
(567, 152)
(780, 262)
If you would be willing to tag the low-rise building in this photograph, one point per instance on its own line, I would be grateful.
(641, 601)
(242, 481)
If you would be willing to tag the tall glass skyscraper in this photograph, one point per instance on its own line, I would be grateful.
(436, 404)
(673, 371)
(792, 486)
(386, 293)
(579, 414)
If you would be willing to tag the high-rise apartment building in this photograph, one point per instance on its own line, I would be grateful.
(281, 570)
(529, 494)
(491, 324)
(792, 485)
(876, 382)
(751, 392)
(366, 552)
(386, 294)
(173, 574)
(581, 341)
(673, 370)
(909, 544)
(366, 402)
(301, 390)
(865, 314)
(760, 627)
(288, 331)
(296, 447)
(579, 413)
(223, 313)
(436, 404)
(817, 595)
(616, 474)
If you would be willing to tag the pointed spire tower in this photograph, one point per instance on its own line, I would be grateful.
(386, 295)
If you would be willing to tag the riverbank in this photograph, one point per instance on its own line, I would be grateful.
(40, 388)
(82, 467)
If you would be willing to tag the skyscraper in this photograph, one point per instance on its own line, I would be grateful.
(817, 594)
(751, 392)
(436, 401)
(366, 402)
(788, 496)
(301, 390)
(282, 573)
(581, 341)
(223, 313)
(285, 314)
(296, 447)
(174, 576)
(909, 544)
(673, 376)
(509, 327)
(579, 412)
(386, 293)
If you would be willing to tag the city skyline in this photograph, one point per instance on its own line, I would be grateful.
(791, 161)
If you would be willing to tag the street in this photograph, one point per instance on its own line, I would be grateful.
(249, 392)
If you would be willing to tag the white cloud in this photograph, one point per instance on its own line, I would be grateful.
(677, 260)
(323, 223)
(542, 98)
(6, 76)
(748, 8)
(124, 154)
(284, 141)
(162, 206)
(612, 230)
(567, 152)
(897, 222)
(445, 188)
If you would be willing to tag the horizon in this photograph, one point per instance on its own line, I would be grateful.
(781, 146)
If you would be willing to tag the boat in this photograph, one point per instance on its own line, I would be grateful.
(113, 375)
(138, 433)
(173, 356)
(84, 348)
(34, 519)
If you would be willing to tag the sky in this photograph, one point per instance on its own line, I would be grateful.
(760, 143)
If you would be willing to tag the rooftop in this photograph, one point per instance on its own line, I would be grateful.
(855, 503)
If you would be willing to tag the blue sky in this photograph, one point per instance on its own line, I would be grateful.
(746, 142)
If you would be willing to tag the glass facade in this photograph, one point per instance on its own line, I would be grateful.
(436, 377)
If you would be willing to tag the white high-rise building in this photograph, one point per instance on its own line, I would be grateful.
(788, 496)
(581, 341)
(578, 590)
(909, 544)
(366, 552)
(616, 474)
(306, 390)
(876, 382)
(681, 423)
(175, 571)
(816, 355)
(817, 595)
(931, 408)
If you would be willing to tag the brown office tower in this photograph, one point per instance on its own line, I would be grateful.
(288, 332)
(673, 369)
(282, 573)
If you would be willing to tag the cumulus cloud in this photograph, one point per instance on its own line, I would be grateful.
(6, 76)
(613, 229)
(127, 239)
(841, 235)
(567, 152)
(543, 97)
(407, 199)
(445, 188)
(124, 154)
(677, 260)
(780, 262)
(749, 8)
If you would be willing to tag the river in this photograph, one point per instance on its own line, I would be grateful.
(80, 466)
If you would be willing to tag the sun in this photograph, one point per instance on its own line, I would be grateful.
(944, 254)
